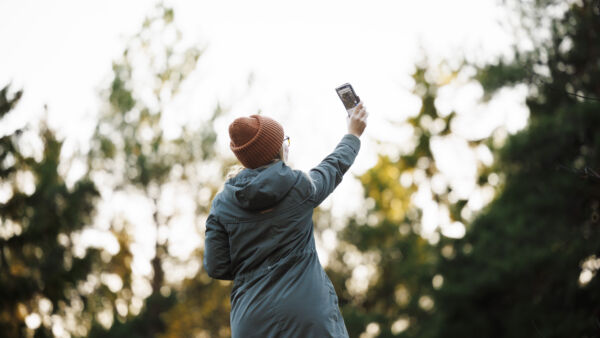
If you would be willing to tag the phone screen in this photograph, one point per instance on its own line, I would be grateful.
(347, 95)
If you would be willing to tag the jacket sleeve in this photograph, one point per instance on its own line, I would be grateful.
(328, 174)
(217, 259)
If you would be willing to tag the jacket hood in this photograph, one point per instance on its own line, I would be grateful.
(261, 188)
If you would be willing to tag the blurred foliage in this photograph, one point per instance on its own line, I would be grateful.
(532, 257)
(387, 240)
(61, 282)
(138, 326)
(202, 310)
(527, 264)
(132, 153)
(42, 273)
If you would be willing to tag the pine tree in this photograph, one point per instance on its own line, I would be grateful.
(528, 265)
(40, 218)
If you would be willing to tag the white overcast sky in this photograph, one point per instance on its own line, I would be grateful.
(60, 52)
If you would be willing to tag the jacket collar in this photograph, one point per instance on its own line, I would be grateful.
(261, 188)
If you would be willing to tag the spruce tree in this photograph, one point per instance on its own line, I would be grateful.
(528, 265)
(40, 218)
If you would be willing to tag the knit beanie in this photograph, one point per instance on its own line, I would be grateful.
(255, 140)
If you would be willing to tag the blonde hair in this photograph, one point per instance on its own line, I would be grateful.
(234, 170)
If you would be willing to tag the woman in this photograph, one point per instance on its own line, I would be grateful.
(259, 233)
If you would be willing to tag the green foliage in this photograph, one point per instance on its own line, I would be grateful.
(522, 274)
(500, 75)
(528, 266)
(145, 324)
(202, 309)
(131, 147)
(38, 227)
(389, 237)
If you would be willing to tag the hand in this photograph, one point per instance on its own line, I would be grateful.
(357, 121)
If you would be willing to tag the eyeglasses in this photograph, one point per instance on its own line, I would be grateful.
(286, 140)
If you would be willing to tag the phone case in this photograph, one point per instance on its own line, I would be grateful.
(348, 97)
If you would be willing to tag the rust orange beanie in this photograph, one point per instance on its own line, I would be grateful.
(255, 140)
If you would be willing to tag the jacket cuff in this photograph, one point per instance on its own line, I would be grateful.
(353, 141)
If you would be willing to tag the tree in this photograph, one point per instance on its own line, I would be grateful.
(385, 264)
(133, 154)
(527, 267)
(40, 217)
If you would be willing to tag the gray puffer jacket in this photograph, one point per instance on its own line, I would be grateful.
(259, 233)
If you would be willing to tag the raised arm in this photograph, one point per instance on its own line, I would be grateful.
(328, 174)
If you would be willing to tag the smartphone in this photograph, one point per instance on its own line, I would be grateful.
(348, 97)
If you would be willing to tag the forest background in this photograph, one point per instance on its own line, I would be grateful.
(476, 208)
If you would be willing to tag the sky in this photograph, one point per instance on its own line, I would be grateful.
(60, 52)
